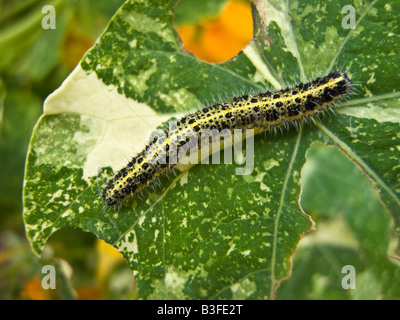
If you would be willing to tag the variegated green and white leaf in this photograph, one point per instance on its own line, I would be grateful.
(208, 233)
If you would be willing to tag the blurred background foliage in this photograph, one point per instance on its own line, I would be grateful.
(34, 62)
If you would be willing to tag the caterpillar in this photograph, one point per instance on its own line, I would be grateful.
(265, 110)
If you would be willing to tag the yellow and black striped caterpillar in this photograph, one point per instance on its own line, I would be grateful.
(265, 110)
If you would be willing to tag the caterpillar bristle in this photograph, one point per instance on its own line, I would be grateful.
(262, 111)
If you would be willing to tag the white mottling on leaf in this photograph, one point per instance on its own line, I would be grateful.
(112, 119)
(128, 246)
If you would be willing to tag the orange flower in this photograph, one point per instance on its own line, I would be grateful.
(88, 293)
(108, 258)
(75, 46)
(221, 38)
(34, 291)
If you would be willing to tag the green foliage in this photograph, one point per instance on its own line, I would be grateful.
(351, 231)
(193, 11)
(209, 233)
(32, 65)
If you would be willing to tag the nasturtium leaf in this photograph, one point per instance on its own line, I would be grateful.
(208, 233)
(359, 234)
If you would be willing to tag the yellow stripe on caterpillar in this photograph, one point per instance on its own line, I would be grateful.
(267, 110)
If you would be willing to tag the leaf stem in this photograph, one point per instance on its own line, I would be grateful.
(279, 212)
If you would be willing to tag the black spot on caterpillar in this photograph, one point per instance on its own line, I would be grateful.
(266, 110)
